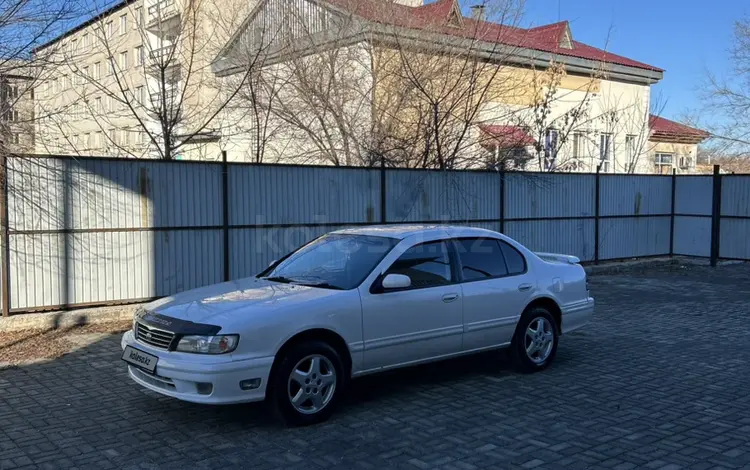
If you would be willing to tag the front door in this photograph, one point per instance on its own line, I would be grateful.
(416, 323)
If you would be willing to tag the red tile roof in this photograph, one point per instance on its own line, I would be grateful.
(506, 137)
(434, 17)
(664, 129)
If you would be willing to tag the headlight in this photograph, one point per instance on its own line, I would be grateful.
(208, 344)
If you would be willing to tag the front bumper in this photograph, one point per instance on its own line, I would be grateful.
(577, 315)
(185, 376)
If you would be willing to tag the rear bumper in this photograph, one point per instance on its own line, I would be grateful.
(187, 380)
(577, 315)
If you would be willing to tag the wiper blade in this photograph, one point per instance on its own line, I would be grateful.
(323, 285)
(302, 282)
(283, 279)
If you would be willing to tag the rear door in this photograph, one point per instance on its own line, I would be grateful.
(496, 287)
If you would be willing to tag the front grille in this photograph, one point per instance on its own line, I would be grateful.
(153, 336)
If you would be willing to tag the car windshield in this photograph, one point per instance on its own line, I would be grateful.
(335, 261)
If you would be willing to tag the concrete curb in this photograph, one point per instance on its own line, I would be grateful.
(649, 264)
(55, 320)
(630, 266)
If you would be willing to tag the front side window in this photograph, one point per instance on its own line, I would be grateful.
(427, 265)
(481, 258)
(336, 261)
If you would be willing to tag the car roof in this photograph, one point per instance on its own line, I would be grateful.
(403, 231)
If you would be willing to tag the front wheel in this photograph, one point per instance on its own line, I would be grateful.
(308, 383)
(535, 341)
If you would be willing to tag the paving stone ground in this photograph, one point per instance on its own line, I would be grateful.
(659, 380)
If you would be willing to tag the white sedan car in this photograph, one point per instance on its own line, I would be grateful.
(356, 302)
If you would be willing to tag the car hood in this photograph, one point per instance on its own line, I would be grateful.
(222, 303)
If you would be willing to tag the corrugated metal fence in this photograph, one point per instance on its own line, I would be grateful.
(85, 231)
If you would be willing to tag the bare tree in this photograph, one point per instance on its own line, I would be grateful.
(729, 97)
(349, 91)
(140, 80)
(555, 113)
(627, 123)
(25, 25)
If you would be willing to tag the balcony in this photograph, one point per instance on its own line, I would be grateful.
(171, 70)
(172, 96)
(163, 16)
(163, 55)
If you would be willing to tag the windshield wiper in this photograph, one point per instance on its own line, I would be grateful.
(321, 284)
(283, 279)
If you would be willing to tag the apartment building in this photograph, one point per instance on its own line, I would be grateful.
(135, 81)
(17, 107)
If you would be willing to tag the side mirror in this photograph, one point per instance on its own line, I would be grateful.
(396, 281)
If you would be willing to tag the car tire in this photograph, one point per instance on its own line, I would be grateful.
(311, 391)
(533, 350)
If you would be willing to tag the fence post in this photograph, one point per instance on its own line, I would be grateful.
(225, 214)
(716, 217)
(502, 201)
(5, 258)
(671, 217)
(383, 216)
(596, 217)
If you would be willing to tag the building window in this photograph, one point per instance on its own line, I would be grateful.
(85, 42)
(686, 163)
(16, 139)
(605, 152)
(140, 58)
(99, 143)
(138, 17)
(123, 24)
(579, 145)
(86, 74)
(74, 46)
(98, 104)
(663, 163)
(112, 138)
(10, 115)
(123, 60)
(140, 94)
(110, 31)
(97, 71)
(550, 148)
(111, 68)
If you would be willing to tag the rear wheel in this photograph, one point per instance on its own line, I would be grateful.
(535, 341)
(308, 383)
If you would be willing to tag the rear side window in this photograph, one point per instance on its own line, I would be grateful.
(427, 265)
(481, 258)
(513, 259)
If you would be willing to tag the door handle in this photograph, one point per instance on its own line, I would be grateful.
(524, 287)
(449, 297)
